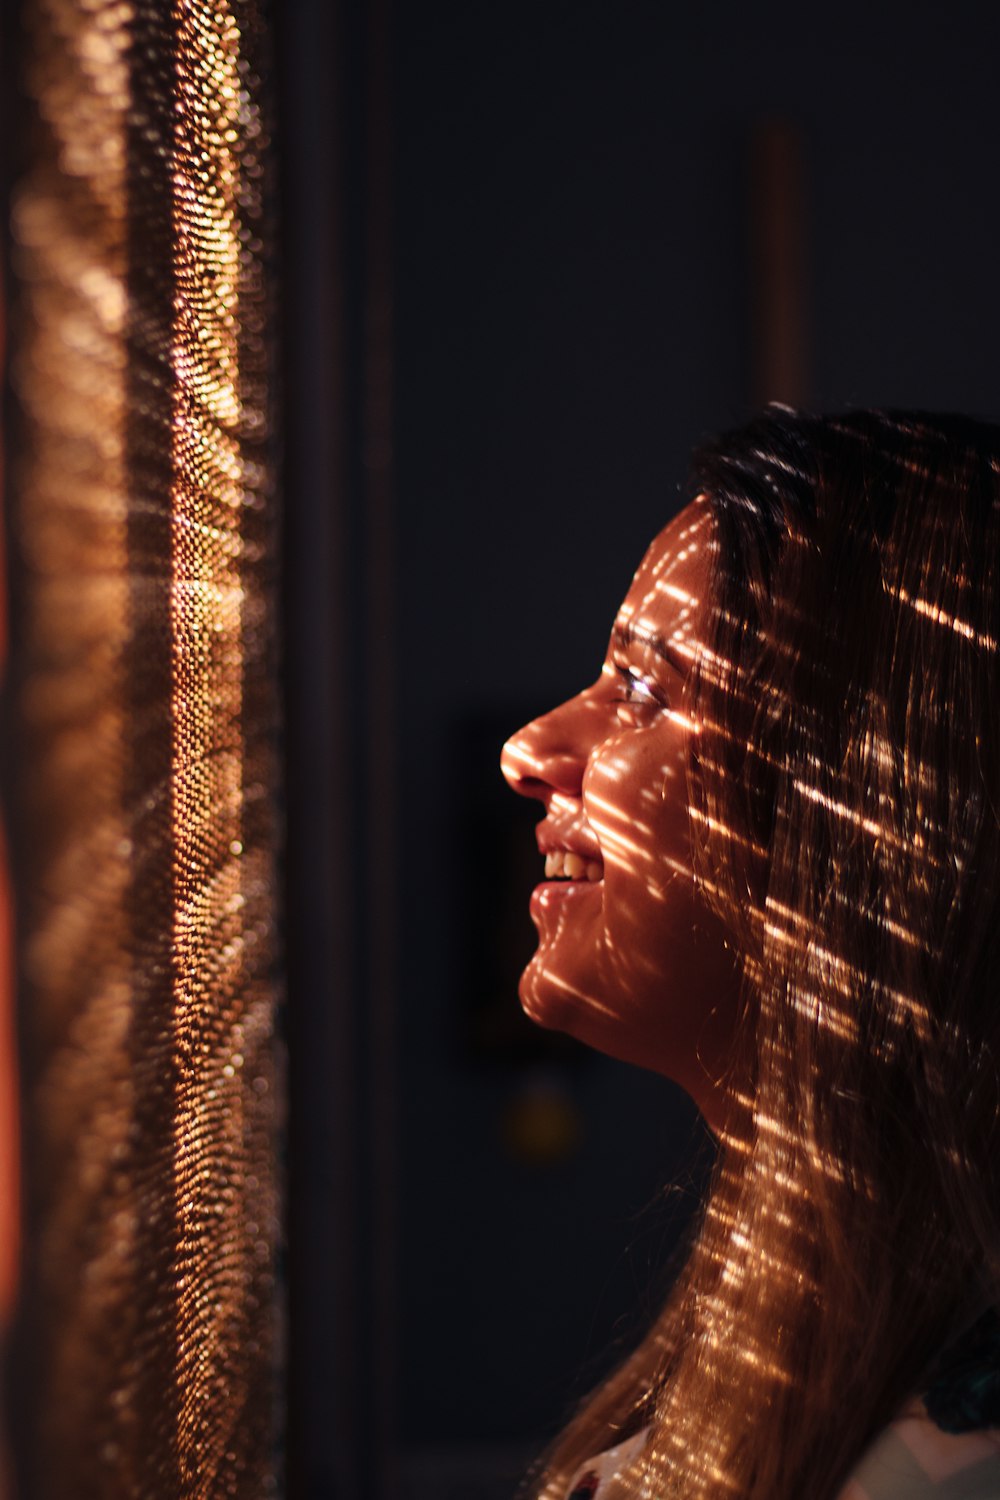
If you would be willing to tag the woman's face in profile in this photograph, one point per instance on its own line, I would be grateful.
(631, 959)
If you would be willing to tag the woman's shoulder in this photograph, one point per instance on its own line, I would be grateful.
(914, 1460)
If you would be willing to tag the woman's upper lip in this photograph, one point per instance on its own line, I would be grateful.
(552, 837)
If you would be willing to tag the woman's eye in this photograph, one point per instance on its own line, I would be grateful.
(636, 693)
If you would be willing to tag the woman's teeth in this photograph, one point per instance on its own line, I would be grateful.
(563, 866)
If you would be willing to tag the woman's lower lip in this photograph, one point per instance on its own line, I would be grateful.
(548, 891)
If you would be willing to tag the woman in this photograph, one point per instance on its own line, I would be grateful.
(771, 831)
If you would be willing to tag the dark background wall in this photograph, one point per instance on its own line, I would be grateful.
(564, 201)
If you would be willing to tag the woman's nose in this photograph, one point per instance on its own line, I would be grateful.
(548, 755)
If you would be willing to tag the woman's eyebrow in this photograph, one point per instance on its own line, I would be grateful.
(626, 635)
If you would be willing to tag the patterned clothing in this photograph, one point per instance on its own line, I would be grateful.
(912, 1460)
(945, 1447)
(592, 1477)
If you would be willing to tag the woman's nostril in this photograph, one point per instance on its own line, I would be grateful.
(535, 772)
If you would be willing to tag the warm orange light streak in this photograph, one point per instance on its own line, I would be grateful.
(797, 921)
(600, 1007)
(939, 616)
(618, 847)
(840, 809)
(683, 597)
(724, 831)
(837, 1023)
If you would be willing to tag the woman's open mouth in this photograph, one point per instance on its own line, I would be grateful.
(562, 864)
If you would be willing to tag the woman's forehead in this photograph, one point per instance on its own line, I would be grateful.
(668, 592)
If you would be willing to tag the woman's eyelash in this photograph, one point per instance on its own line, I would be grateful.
(637, 690)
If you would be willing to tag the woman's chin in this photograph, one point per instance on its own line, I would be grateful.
(563, 1002)
(554, 1002)
(536, 1002)
(549, 1001)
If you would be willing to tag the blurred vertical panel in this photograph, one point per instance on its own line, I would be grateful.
(383, 690)
(778, 265)
(145, 785)
(342, 698)
(10, 1229)
(317, 84)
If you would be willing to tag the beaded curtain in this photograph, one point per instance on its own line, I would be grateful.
(144, 791)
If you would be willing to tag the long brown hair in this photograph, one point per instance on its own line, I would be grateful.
(844, 819)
